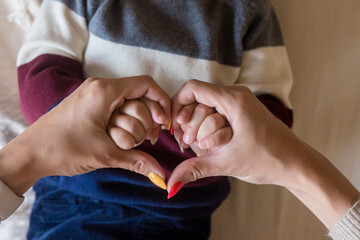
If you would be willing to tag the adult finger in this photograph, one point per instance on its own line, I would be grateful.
(195, 91)
(136, 161)
(193, 169)
(112, 93)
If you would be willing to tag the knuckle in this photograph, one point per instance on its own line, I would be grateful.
(137, 166)
(203, 109)
(139, 107)
(90, 79)
(193, 82)
(195, 173)
(97, 86)
(104, 159)
(147, 78)
(127, 144)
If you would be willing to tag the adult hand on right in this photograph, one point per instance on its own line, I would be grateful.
(262, 150)
(255, 152)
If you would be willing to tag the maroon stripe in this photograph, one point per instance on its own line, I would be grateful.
(45, 81)
(277, 108)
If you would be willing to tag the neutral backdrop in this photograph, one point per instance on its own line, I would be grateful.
(323, 41)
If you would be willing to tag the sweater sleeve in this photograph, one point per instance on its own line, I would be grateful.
(265, 67)
(50, 61)
(348, 227)
(9, 201)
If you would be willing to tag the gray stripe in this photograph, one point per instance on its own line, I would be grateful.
(262, 27)
(83, 8)
(205, 29)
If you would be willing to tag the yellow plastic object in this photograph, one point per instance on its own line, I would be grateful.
(158, 181)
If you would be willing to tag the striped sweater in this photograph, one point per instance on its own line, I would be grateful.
(228, 42)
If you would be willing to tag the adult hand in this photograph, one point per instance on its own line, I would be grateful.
(72, 138)
(262, 150)
(257, 142)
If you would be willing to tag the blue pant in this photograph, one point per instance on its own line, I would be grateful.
(59, 214)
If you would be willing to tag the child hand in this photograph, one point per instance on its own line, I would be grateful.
(134, 122)
(202, 128)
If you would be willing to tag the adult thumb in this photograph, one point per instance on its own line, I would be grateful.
(193, 169)
(142, 163)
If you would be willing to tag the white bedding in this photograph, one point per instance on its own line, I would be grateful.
(12, 122)
(323, 43)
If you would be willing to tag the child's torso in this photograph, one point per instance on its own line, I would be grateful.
(172, 41)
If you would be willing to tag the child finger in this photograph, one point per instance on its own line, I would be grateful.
(210, 125)
(155, 110)
(121, 137)
(185, 113)
(217, 139)
(138, 110)
(130, 124)
(191, 128)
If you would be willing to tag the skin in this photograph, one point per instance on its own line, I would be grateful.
(49, 146)
(258, 141)
(262, 150)
(198, 124)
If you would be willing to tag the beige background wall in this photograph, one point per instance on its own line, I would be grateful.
(323, 41)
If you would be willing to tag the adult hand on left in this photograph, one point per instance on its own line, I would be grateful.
(72, 138)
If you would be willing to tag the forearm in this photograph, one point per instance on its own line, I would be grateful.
(20, 163)
(319, 185)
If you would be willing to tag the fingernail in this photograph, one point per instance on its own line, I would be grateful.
(167, 127)
(157, 180)
(179, 143)
(197, 155)
(171, 131)
(154, 141)
(181, 148)
(175, 189)
(188, 139)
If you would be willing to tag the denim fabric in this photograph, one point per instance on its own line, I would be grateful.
(59, 214)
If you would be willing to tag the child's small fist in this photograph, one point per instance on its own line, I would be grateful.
(131, 124)
(202, 128)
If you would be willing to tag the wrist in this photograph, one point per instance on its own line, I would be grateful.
(320, 186)
(20, 168)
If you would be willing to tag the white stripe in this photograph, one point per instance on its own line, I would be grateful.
(112, 60)
(267, 70)
(56, 30)
(264, 70)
